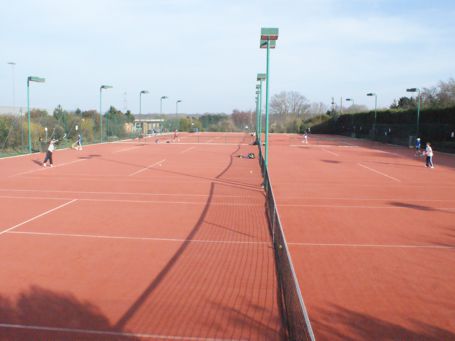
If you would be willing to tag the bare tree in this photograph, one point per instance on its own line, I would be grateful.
(289, 103)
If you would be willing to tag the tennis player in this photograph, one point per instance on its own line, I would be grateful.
(50, 150)
(78, 144)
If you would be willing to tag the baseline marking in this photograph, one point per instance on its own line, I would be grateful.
(178, 240)
(126, 149)
(38, 216)
(147, 168)
(404, 246)
(378, 172)
(131, 193)
(328, 151)
(106, 333)
(46, 168)
(187, 150)
(248, 204)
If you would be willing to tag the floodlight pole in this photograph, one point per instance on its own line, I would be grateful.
(418, 108)
(161, 103)
(101, 112)
(31, 79)
(267, 81)
(260, 113)
(177, 106)
(140, 100)
(375, 111)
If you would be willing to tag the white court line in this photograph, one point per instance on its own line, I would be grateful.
(378, 172)
(361, 206)
(147, 168)
(140, 201)
(328, 151)
(322, 145)
(38, 216)
(109, 333)
(41, 169)
(130, 193)
(399, 246)
(187, 150)
(126, 149)
(178, 240)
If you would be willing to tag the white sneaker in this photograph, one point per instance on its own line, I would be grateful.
(431, 167)
(44, 165)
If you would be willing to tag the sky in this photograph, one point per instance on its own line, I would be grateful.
(206, 52)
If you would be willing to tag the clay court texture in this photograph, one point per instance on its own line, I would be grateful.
(138, 240)
(371, 232)
(155, 240)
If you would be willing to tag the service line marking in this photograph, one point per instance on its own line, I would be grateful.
(216, 203)
(400, 246)
(131, 193)
(178, 240)
(378, 172)
(328, 151)
(38, 216)
(147, 168)
(187, 150)
(108, 333)
(126, 149)
(41, 169)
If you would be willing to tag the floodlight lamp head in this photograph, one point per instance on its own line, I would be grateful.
(163, 97)
(144, 92)
(411, 90)
(370, 94)
(261, 76)
(106, 87)
(36, 79)
(269, 33)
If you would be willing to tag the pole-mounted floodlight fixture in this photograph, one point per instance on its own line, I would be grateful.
(375, 110)
(269, 36)
(37, 80)
(140, 100)
(177, 106)
(350, 100)
(418, 108)
(102, 87)
(161, 103)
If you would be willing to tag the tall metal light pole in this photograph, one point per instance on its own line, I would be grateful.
(269, 36)
(350, 100)
(418, 108)
(375, 110)
(161, 103)
(13, 64)
(101, 109)
(37, 80)
(257, 112)
(261, 77)
(140, 100)
(177, 106)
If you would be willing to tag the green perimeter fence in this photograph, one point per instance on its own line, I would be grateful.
(294, 313)
(14, 131)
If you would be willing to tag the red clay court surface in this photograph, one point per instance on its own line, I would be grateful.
(372, 235)
(134, 240)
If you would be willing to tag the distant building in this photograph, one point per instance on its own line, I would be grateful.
(148, 125)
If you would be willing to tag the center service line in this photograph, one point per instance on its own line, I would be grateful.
(148, 167)
(378, 172)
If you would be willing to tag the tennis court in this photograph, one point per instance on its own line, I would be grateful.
(138, 240)
(371, 233)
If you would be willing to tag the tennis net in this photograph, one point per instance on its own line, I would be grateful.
(295, 314)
